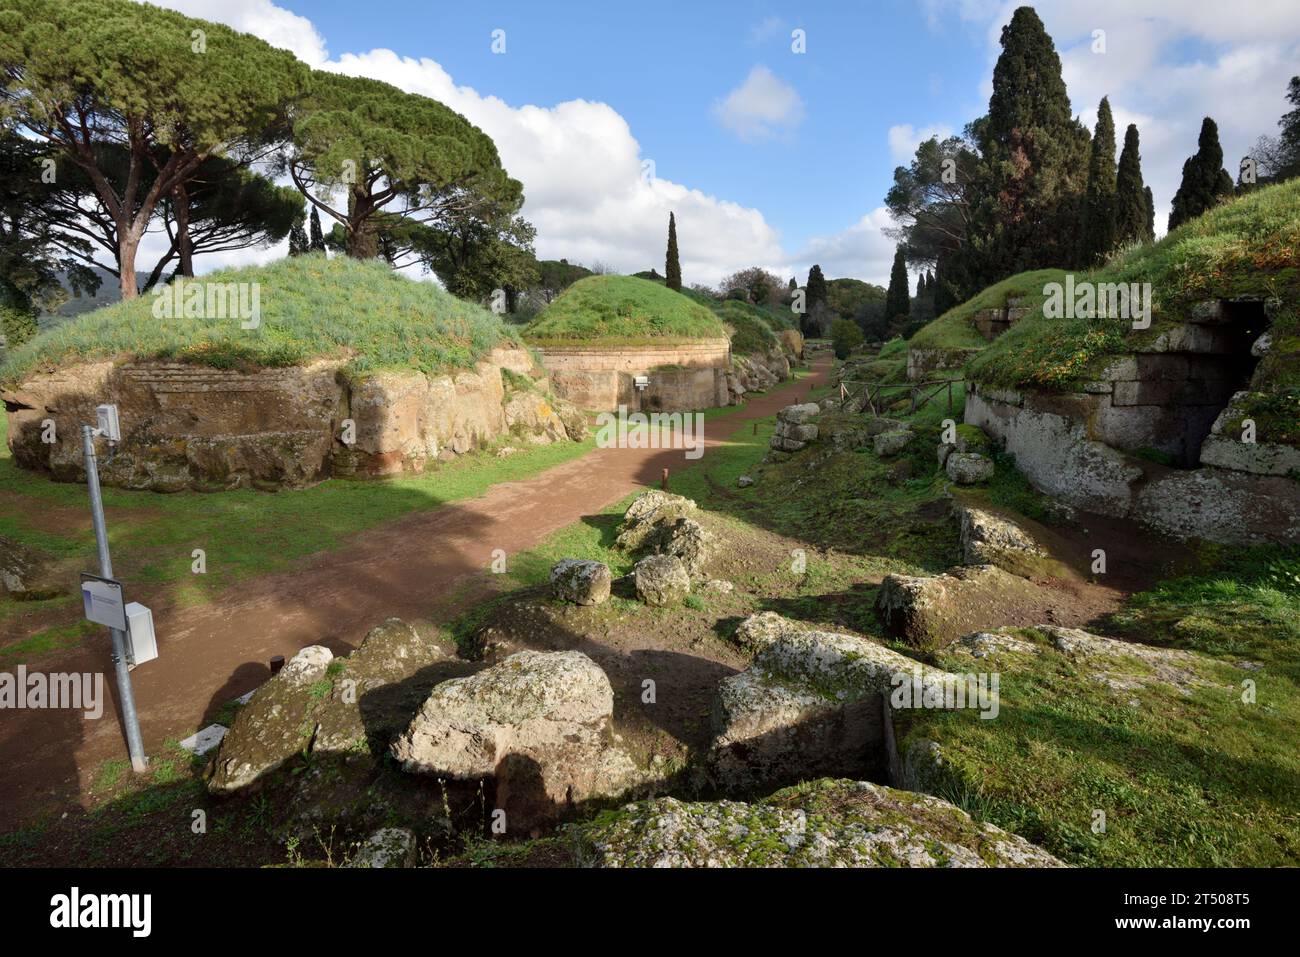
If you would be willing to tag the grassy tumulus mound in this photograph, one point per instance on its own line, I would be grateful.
(622, 310)
(310, 307)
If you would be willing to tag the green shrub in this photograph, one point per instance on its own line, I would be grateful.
(845, 336)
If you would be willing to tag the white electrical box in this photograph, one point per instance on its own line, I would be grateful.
(103, 602)
(141, 645)
(109, 427)
(641, 381)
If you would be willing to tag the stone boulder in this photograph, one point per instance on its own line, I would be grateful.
(827, 823)
(275, 725)
(346, 708)
(760, 630)
(886, 444)
(580, 582)
(28, 573)
(929, 612)
(968, 468)
(661, 580)
(530, 415)
(879, 424)
(989, 539)
(387, 847)
(811, 703)
(794, 427)
(537, 724)
(663, 524)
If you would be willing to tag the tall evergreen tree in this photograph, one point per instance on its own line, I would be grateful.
(815, 291)
(1290, 137)
(897, 299)
(1032, 175)
(1099, 208)
(298, 243)
(673, 268)
(1130, 193)
(1205, 181)
(317, 237)
(1150, 236)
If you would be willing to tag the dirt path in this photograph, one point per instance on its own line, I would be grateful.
(213, 652)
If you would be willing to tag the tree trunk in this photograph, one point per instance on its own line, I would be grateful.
(362, 241)
(128, 243)
(181, 199)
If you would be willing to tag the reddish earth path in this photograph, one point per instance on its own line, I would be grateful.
(213, 652)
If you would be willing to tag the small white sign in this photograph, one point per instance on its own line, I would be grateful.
(102, 598)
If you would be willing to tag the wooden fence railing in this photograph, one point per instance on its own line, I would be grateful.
(875, 393)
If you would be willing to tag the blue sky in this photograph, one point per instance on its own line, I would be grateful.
(664, 66)
(766, 156)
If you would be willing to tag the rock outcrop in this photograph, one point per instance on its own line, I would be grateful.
(827, 823)
(537, 725)
(811, 703)
(188, 426)
(968, 468)
(320, 705)
(989, 539)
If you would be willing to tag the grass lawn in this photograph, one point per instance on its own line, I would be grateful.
(384, 320)
(622, 310)
(243, 533)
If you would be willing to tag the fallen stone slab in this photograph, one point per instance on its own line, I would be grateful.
(274, 725)
(811, 703)
(989, 539)
(827, 823)
(580, 582)
(932, 611)
(205, 739)
(537, 725)
(663, 524)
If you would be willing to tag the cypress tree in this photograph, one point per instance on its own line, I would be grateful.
(1150, 235)
(297, 240)
(1131, 212)
(815, 291)
(672, 267)
(898, 304)
(1205, 181)
(1099, 208)
(317, 237)
(1029, 185)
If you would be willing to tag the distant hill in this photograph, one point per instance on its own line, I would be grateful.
(108, 293)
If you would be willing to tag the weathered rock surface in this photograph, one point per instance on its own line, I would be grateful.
(989, 539)
(827, 823)
(190, 426)
(537, 724)
(661, 580)
(28, 573)
(811, 703)
(320, 705)
(968, 468)
(794, 427)
(760, 630)
(928, 612)
(891, 443)
(275, 724)
(663, 524)
(580, 582)
(387, 847)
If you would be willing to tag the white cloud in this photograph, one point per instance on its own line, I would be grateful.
(761, 107)
(580, 164)
(277, 26)
(905, 138)
(862, 251)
